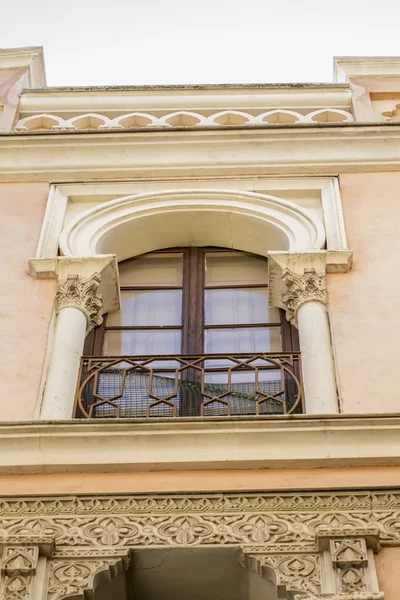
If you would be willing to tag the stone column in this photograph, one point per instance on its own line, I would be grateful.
(78, 308)
(305, 299)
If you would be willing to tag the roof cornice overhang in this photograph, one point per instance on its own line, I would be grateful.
(237, 151)
(216, 443)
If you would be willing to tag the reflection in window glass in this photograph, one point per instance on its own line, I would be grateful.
(152, 269)
(234, 268)
(148, 307)
(157, 342)
(226, 307)
(251, 339)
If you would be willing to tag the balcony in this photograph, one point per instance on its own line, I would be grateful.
(208, 385)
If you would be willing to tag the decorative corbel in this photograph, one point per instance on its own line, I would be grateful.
(291, 572)
(75, 576)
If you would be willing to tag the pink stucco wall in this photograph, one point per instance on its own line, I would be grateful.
(387, 568)
(365, 303)
(25, 304)
(268, 480)
(11, 82)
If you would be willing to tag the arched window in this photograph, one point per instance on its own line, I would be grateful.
(195, 335)
(193, 301)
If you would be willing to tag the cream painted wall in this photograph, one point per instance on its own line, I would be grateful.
(365, 303)
(387, 567)
(25, 304)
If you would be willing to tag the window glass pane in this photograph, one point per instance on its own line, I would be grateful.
(252, 339)
(133, 343)
(152, 269)
(234, 268)
(238, 307)
(148, 307)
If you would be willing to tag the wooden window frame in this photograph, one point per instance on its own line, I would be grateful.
(192, 325)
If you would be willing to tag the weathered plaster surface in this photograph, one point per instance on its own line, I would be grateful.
(387, 567)
(25, 304)
(365, 303)
(11, 82)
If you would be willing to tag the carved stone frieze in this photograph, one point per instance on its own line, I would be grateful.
(300, 289)
(288, 535)
(252, 520)
(81, 293)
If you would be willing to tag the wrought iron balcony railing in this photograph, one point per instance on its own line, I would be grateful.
(206, 385)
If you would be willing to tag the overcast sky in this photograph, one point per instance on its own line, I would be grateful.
(133, 42)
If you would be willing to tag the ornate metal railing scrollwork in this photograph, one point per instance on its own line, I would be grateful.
(208, 385)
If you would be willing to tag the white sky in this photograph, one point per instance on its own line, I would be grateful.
(133, 42)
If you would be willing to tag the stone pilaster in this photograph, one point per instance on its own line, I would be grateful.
(350, 567)
(19, 561)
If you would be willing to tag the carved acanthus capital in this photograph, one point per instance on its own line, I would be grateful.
(81, 293)
(300, 289)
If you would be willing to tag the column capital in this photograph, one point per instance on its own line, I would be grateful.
(81, 293)
(62, 267)
(323, 261)
(308, 287)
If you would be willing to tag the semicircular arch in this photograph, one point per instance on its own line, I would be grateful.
(140, 223)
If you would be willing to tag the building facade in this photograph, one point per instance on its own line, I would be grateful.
(199, 317)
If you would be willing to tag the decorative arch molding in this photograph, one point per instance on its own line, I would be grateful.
(79, 578)
(181, 118)
(43, 121)
(139, 223)
(291, 234)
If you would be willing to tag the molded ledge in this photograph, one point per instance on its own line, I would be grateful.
(271, 150)
(138, 445)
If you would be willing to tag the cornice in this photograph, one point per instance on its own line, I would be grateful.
(140, 445)
(30, 57)
(348, 67)
(197, 86)
(266, 150)
(166, 98)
